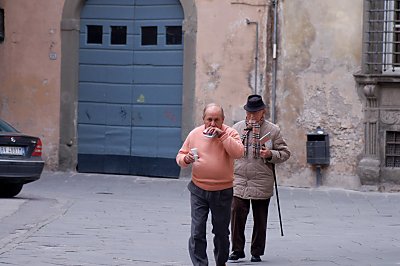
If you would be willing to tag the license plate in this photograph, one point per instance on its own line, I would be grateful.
(4, 150)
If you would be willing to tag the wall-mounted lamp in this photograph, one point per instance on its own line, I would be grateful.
(2, 33)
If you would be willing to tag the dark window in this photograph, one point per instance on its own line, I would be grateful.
(382, 37)
(118, 34)
(174, 35)
(396, 34)
(392, 149)
(94, 34)
(149, 35)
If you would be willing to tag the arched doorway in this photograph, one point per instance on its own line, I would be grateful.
(69, 87)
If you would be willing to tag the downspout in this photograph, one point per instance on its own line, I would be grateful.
(256, 56)
(274, 62)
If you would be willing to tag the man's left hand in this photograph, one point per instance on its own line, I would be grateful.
(265, 153)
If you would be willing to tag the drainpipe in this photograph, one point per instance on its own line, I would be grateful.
(256, 56)
(274, 62)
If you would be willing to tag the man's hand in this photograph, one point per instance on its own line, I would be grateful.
(266, 153)
(189, 158)
(213, 131)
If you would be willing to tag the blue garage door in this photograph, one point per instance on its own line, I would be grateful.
(130, 87)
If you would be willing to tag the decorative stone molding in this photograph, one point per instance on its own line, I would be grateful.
(372, 116)
(370, 91)
(378, 119)
(369, 171)
(390, 117)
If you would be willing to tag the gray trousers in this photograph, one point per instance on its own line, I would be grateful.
(201, 202)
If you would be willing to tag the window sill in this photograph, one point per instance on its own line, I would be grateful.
(376, 78)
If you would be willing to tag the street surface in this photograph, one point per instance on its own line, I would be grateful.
(91, 219)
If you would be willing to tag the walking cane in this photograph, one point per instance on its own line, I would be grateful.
(277, 199)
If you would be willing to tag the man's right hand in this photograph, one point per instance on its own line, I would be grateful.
(189, 158)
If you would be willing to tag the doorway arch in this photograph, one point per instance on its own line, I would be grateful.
(70, 27)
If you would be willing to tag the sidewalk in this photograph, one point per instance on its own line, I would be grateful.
(128, 220)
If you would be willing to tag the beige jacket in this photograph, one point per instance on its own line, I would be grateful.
(254, 177)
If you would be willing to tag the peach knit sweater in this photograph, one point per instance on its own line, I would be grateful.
(214, 168)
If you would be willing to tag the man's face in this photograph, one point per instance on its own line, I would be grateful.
(213, 117)
(255, 116)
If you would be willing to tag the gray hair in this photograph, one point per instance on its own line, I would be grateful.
(213, 105)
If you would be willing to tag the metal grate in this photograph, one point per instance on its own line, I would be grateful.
(392, 149)
(382, 37)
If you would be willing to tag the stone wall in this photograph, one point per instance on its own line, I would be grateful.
(227, 57)
(319, 53)
(30, 70)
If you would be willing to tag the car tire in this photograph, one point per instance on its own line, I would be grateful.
(10, 190)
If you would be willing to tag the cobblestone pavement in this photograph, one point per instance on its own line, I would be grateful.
(91, 219)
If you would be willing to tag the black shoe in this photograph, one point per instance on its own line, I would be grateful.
(255, 259)
(235, 255)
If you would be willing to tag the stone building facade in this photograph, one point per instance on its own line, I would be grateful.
(314, 68)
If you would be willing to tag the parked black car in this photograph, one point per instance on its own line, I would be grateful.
(20, 159)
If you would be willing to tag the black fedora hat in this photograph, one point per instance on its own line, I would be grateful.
(254, 103)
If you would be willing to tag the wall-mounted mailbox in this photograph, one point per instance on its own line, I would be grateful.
(318, 147)
(318, 151)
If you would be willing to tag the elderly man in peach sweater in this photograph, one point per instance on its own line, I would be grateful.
(211, 150)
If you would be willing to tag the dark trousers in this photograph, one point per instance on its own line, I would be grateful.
(240, 210)
(201, 202)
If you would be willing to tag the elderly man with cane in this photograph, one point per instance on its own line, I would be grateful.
(255, 177)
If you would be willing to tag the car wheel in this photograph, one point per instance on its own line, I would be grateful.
(10, 190)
